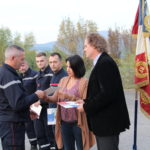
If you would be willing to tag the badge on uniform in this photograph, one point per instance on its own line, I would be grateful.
(51, 116)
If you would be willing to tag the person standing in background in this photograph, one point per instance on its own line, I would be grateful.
(44, 132)
(105, 104)
(55, 62)
(28, 77)
(71, 125)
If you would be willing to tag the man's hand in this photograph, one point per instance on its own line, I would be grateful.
(36, 103)
(40, 94)
(46, 98)
(80, 108)
(33, 115)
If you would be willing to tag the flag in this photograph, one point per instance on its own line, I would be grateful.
(135, 26)
(141, 28)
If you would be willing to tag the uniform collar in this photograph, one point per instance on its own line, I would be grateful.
(58, 71)
(47, 69)
(26, 73)
(10, 68)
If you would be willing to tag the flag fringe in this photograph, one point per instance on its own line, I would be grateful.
(141, 84)
(145, 113)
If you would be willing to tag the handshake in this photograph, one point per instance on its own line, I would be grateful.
(41, 94)
(45, 93)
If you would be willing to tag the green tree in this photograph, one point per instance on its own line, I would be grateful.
(5, 40)
(17, 39)
(122, 49)
(66, 36)
(128, 41)
(113, 43)
(30, 57)
(71, 36)
(29, 41)
(127, 71)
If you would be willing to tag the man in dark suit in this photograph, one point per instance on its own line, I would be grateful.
(105, 104)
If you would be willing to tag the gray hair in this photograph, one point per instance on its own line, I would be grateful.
(13, 51)
(97, 41)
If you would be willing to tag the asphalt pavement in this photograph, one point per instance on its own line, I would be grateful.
(126, 138)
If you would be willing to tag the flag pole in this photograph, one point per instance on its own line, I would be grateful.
(135, 121)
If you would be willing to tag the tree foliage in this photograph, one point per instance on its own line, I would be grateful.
(113, 42)
(29, 41)
(127, 70)
(120, 43)
(7, 38)
(17, 39)
(71, 36)
(122, 49)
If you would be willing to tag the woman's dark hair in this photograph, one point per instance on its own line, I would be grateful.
(77, 65)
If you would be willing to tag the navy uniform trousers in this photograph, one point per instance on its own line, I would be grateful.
(12, 135)
(29, 126)
(43, 131)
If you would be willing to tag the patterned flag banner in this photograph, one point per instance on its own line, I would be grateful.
(141, 29)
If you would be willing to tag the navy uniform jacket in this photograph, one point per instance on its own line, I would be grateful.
(43, 80)
(55, 80)
(29, 80)
(105, 104)
(14, 102)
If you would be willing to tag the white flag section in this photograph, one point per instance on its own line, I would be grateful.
(148, 49)
(140, 46)
(51, 116)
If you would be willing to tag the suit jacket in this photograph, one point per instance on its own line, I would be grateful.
(105, 104)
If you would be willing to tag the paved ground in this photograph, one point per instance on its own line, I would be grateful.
(126, 138)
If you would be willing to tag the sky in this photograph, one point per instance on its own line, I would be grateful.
(43, 17)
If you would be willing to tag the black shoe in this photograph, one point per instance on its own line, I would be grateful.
(34, 147)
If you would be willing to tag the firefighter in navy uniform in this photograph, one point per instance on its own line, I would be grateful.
(44, 132)
(55, 62)
(28, 77)
(14, 102)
